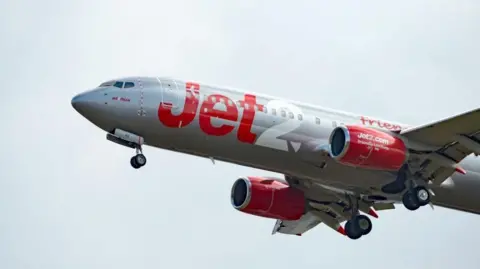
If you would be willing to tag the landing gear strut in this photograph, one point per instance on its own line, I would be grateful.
(416, 197)
(139, 159)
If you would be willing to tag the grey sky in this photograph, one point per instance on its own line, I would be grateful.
(69, 198)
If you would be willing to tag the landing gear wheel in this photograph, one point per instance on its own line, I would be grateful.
(364, 223)
(422, 195)
(410, 201)
(138, 161)
(352, 230)
(134, 163)
(358, 226)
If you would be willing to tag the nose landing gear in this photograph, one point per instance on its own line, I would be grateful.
(138, 160)
(130, 140)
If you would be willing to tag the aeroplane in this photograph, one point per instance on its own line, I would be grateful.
(338, 167)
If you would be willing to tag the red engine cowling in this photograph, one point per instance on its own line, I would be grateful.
(266, 197)
(367, 148)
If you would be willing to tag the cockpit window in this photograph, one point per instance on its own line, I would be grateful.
(129, 84)
(118, 84)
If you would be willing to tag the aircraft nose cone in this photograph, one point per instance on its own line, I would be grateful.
(80, 102)
(76, 101)
(93, 106)
(88, 104)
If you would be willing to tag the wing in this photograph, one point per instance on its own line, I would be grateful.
(448, 141)
(443, 143)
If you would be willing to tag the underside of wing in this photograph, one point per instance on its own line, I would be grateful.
(437, 148)
(325, 206)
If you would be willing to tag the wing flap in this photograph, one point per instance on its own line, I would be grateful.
(296, 227)
(383, 206)
(452, 139)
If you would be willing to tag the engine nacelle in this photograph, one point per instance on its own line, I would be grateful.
(367, 148)
(267, 197)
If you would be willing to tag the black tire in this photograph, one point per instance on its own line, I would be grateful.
(352, 230)
(410, 201)
(134, 163)
(364, 224)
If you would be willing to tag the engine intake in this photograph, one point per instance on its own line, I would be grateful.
(267, 197)
(367, 148)
(241, 193)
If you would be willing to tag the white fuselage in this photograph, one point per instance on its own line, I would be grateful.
(253, 130)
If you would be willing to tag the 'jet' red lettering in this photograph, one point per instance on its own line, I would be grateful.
(245, 129)
(208, 112)
(166, 116)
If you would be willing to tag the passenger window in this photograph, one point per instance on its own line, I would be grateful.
(265, 109)
(274, 111)
(334, 124)
(290, 115)
(317, 120)
(300, 117)
(283, 113)
(129, 84)
(118, 84)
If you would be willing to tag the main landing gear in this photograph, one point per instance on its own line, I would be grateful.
(416, 197)
(358, 226)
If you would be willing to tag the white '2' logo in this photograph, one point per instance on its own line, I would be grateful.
(269, 138)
